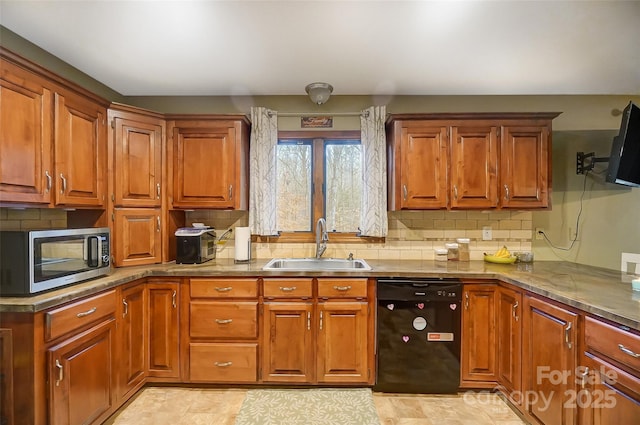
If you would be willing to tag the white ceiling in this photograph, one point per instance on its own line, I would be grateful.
(360, 47)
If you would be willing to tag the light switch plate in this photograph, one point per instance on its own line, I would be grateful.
(486, 233)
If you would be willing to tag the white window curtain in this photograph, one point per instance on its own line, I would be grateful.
(373, 220)
(262, 172)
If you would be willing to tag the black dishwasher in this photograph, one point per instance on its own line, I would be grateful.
(418, 335)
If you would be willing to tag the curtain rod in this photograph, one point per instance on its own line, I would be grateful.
(319, 114)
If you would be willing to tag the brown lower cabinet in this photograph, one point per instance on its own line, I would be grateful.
(549, 361)
(478, 357)
(81, 377)
(133, 339)
(509, 341)
(316, 339)
(164, 329)
(78, 362)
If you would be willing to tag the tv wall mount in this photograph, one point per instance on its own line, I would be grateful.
(586, 161)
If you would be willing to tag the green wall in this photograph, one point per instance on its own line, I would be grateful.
(608, 223)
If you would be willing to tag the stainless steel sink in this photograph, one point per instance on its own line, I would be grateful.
(312, 264)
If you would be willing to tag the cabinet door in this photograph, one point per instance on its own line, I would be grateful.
(137, 163)
(137, 238)
(478, 356)
(205, 167)
(164, 349)
(474, 164)
(525, 167)
(288, 345)
(607, 395)
(80, 377)
(26, 167)
(510, 342)
(132, 359)
(549, 361)
(342, 342)
(80, 151)
(423, 165)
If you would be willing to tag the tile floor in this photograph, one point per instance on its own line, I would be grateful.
(196, 406)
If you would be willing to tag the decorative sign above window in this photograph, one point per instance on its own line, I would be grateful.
(316, 122)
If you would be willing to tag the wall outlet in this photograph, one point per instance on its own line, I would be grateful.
(539, 233)
(486, 233)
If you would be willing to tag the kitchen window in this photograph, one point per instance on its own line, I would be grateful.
(318, 175)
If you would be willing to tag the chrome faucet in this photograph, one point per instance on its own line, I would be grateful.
(322, 237)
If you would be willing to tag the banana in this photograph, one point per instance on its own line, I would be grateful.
(503, 253)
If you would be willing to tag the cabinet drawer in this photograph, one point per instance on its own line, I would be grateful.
(223, 362)
(337, 288)
(224, 319)
(224, 288)
(287, 288)
(79, 314)
(612, 342)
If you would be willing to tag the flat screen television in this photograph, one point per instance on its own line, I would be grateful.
(624, 161)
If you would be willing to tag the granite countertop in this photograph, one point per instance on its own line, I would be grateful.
(602, 292)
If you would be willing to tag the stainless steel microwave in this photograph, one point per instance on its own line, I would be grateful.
(33, 261)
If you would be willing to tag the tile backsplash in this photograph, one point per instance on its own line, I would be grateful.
(413, 235)
(32, 218)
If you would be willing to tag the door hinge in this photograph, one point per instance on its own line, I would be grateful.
(113, 217)
(113, 124)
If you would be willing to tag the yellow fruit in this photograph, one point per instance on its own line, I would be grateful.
(503, 253)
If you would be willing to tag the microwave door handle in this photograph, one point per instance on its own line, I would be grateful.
(99, 252)
(92, 251)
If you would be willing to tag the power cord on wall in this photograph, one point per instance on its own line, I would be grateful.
(541, 232)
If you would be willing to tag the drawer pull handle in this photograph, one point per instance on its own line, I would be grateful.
(567, 340)
(225, 289)
(48, 188)
(628, 351)
(584, 377)
(126, 308)
(342, 288)
(173, 299)
(60, 373)
(308, 320)
(223, 364)
(88, 312)
(515, 309)
(404, 192)
(288, 288)
(63, 188)
(223, 321)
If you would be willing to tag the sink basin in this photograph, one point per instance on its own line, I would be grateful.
(313, 264)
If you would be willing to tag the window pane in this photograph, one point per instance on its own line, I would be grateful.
(294, 187)
(343, 185)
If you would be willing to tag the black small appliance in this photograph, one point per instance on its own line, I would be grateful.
(195, 245)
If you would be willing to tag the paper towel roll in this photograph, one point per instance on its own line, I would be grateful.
(243, 243)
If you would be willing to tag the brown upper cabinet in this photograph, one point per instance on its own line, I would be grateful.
(468, 161)
(208, 162)
(138, 138)
(52, 139)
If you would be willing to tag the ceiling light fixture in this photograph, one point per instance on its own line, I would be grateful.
(319, 92)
